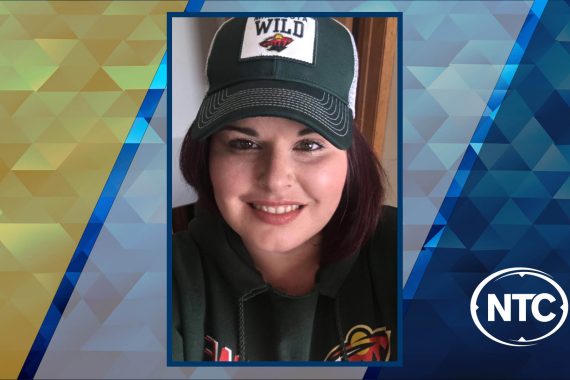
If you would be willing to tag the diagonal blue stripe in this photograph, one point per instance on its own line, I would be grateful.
(493, 106)
(194, 5)
(95, 223)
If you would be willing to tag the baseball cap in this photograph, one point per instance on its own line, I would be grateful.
(300, 68)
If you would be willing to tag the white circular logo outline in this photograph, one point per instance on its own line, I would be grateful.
(521, 271)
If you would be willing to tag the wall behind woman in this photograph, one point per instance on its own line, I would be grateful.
(191, 41)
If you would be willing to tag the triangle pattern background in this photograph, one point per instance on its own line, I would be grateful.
(73, 77)
(119, 299)
(512, 210)
(435, 125)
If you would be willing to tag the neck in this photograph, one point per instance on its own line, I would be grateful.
(291, 272)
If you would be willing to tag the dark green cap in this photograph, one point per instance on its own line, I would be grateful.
(300, 68)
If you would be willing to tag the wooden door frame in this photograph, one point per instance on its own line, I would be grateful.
(376, 41)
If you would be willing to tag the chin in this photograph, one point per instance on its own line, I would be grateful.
(274, 243)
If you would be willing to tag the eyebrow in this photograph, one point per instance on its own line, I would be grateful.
(253, 132)
(244, 130)
(305, 131)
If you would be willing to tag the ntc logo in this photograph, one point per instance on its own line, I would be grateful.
(518, 306)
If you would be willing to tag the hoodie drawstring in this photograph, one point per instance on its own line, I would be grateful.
(241, 336)
(339, 330)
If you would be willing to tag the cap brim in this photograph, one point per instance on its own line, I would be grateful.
(325, 113)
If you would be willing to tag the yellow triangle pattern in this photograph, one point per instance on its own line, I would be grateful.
(73, 78)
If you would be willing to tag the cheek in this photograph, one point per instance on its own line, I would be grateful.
(327, 181)
(229, 177)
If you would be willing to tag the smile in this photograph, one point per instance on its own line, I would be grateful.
(275, 213)
(277, 210)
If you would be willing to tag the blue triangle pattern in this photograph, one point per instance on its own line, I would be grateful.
(513, 211)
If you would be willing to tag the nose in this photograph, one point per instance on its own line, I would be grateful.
(276, 170)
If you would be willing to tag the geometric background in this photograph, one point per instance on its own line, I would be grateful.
(509, 206)
(74, 77)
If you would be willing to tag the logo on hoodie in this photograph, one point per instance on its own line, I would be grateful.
(213, 352)
(363, 344)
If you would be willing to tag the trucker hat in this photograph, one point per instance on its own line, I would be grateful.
(300, 68)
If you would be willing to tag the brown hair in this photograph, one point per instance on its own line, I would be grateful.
(356, 216)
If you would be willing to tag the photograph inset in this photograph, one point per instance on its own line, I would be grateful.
(284, 244)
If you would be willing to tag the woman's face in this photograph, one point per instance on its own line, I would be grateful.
(276, 182)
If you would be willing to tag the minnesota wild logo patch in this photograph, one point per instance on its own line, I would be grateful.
(363, 344)
(292, 38)
(276, 42)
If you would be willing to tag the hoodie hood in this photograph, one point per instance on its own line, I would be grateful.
(224, 246)
(214, 236)
(224, 311)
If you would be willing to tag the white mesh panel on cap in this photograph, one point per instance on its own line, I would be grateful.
(210, 50)
(353, 85)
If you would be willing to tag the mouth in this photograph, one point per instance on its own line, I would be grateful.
(277, 210)
(276, 213)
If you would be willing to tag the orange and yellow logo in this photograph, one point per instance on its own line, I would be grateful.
(363, 344)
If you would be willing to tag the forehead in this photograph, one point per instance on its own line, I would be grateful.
(268, 125)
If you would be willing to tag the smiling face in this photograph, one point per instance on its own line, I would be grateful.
(276, 182)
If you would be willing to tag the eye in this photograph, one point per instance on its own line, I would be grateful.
(243, 144)
(308, 146)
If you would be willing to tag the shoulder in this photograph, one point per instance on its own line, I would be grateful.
(383, 267)
(186, 257)
(389, 217)
(188, 298)
(183, 246)
(382, 250)
(380, 253)
(181, 240)
(188, 282)
(386, 234)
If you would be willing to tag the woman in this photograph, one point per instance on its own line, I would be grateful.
(290, 255)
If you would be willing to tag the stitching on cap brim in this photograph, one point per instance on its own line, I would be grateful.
(328, 110)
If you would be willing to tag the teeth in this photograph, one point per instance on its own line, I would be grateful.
(277, 210)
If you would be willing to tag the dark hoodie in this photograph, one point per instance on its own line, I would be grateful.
(224, 311)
